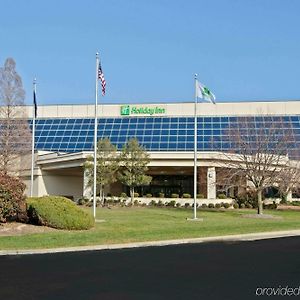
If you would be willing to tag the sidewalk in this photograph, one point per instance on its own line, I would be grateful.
(226, 238)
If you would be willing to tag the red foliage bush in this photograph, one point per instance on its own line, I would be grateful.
(12, 199)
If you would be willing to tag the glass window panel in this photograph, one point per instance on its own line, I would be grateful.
(174, 126)
(189, 146)
(181, 146)
(206, 146)
(207, 125)
(200, 132)
(131, 132)
(200, 145)
(125, 120)
(122, 139)
(133, 121)
(149, 120)
(154, 146)
(216, 119)
(163, 146)
(207, 138)
(79, 146)
(172, 146)
(115, 132)
(132, 126)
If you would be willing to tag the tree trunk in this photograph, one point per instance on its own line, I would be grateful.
(132, 194)
(101, 194)
(259, 202)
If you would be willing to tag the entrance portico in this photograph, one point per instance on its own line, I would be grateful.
(63, 174)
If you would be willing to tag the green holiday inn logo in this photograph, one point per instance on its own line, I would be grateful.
(127, 110)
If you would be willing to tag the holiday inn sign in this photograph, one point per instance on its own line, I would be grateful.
(128, 110)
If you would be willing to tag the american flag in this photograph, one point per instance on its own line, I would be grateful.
(101, 78)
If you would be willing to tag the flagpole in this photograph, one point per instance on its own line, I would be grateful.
(195, 151)
(33, 138)
(95, 138)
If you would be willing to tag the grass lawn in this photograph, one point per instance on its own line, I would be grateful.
(124, 225)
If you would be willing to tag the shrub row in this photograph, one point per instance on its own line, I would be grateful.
(58, 212)
(162, 195)
(173, 203)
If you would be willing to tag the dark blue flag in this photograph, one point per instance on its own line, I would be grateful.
(34, 103)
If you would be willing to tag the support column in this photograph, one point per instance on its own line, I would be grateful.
(202, 181)
(289, 196)
(87, 190)
(211, 183)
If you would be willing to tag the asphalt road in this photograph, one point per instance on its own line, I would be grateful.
(199, 271)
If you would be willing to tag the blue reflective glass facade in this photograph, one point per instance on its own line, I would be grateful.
(154, 133)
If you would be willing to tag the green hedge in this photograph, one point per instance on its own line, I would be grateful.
(58, 212)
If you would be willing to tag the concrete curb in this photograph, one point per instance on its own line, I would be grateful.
(225, 238)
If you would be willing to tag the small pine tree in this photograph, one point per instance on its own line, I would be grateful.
(133, 166)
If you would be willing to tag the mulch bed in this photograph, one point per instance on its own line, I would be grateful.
(14, 228)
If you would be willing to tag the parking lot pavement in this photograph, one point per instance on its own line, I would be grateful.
(217, 270)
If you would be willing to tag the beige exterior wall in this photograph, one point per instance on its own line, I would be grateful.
(171, 109)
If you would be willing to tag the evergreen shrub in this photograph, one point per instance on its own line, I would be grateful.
(174, 195)
(226, 205)
(58, 212)
(186, 195)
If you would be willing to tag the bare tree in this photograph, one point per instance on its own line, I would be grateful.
(258, 153)
(288, 179)
(15, 136)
